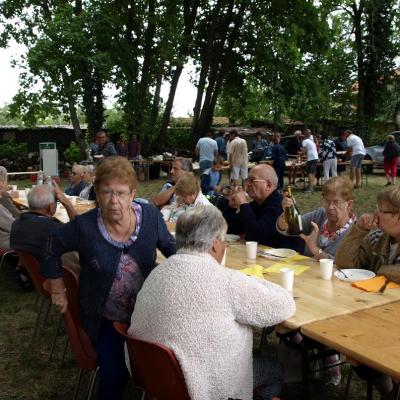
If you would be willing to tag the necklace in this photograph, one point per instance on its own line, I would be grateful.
(127, 233)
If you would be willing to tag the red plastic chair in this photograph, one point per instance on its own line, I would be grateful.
(155, 368)
(32, 266)
(81, 345)
(4, 253)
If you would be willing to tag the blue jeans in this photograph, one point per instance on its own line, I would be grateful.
(113, 373)
(205, 164)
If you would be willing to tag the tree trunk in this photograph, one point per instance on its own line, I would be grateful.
(190, 13)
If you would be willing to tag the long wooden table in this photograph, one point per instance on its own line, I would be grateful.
(371, 336)
(316, 299)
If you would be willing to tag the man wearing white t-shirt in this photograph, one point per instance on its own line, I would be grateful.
(206, 149)
(312, 158)
(358, 152)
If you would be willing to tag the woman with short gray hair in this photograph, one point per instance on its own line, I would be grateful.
(205, 313)
(5, 198)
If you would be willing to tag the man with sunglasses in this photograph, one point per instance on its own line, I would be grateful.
(254, 214)
(77, 184)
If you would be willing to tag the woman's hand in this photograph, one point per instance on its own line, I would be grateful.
(367, 222)
(311, 240)
(59, 299)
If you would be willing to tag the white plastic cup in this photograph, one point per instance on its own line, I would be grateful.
(223, 259)
(287, 278)
(251, 250)
(14, 188)
(27, 191)
(326, 268)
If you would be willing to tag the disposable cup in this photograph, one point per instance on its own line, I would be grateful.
(287, 278)
(251, 250)
(326, 267)
(224, 259)
(26, 192)
(14, 188)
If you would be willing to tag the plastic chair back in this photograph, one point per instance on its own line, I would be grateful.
(80, 343)
(32, 266)
(155, 368)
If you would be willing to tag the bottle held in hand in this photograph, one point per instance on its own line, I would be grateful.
(293, 217)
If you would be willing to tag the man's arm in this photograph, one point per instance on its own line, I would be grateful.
(352, 251)
(64, 201)
(258, 302)
(161, 199)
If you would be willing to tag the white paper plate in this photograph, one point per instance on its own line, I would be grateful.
(232, 238)
(275, 254)
(354, 275)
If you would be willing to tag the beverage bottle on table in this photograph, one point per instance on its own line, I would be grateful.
(293, 217)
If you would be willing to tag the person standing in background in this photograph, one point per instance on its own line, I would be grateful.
(293, 149)
(122, 146)
(310, 149)
(279, 157)
(328, 157)
(391, 154)
(206, 149)
(133, 147)
(105, 147)
(238, 158)
(221, 143)
(356, 146)
(341, 145)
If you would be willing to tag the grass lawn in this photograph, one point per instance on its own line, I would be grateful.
(24, 369)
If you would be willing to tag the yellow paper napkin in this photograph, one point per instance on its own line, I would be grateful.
(253, 270)
(374, 284)
(276, 268)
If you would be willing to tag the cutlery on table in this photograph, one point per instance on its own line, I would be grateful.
(265, 253)
(383, 287)
(341, 271)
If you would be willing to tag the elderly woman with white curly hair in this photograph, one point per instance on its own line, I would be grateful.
(205, 312)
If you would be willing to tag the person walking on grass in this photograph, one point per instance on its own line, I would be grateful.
(310, 148)
(357, 149)
(391, 154)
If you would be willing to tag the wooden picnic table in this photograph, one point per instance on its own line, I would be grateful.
(369, 336)
(316, 299)
(81, 206)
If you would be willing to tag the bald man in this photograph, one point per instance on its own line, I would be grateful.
(257, 219)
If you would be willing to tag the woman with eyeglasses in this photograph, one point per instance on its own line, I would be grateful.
(117, 245)
(325, 227)
(373, 243)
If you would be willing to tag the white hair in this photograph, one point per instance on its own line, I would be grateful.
(197, 228)
(3, 174)
(41, 196)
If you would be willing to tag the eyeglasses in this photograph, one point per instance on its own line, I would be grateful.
(108, 194)
(250, 181)
(334, 203)
(379, 211)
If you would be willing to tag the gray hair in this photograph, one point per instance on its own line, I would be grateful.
(41, 196)
(186, 163)
(3, 174)
(89, 169)
(197, 228)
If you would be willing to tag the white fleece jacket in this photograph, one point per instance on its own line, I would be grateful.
(204, 312)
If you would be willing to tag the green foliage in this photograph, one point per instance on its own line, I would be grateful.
(178, 138)
(72, 153)
(13, 150)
